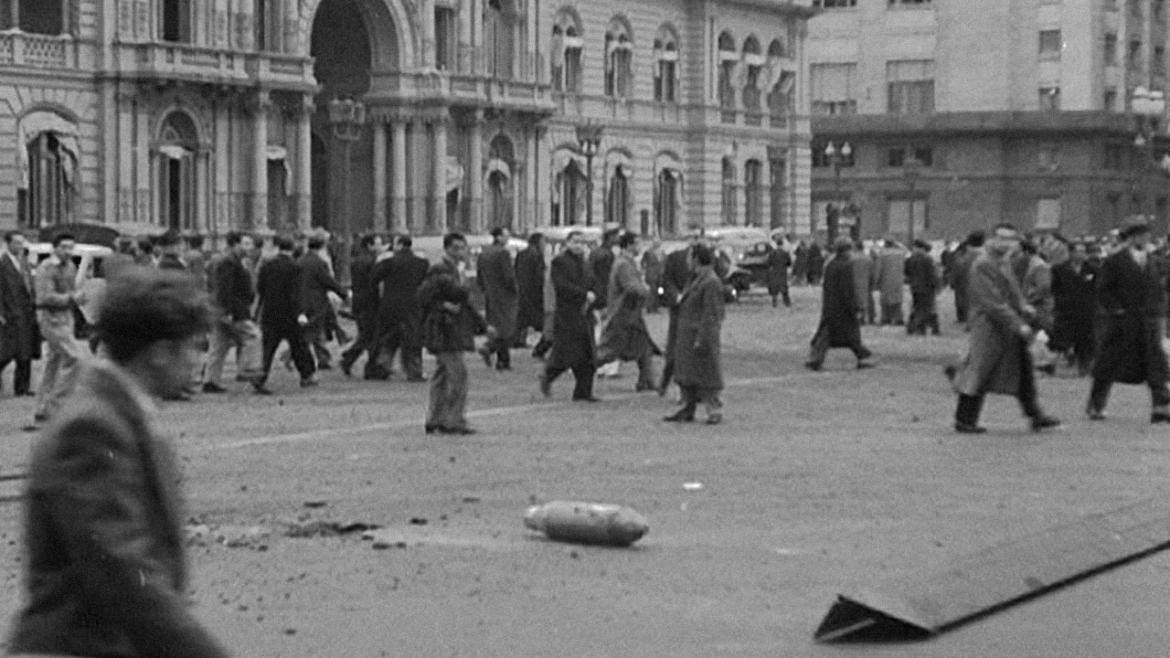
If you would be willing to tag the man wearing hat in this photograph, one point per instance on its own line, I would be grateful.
(1131, 288)
(841, 311)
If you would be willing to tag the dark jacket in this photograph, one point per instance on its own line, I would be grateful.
(365, 295)
(839, 304)
(1134, 301)
(106, 570)
(172, 262)
(279, 289)
(530, 269)
(446, 330)
(698, 349)
(316, 282)
(921, 274)
(676, 276)
(573, 319)
(600, 265)
(233, 288)
(399, 277)
(1074, 292)
(497, 279)
(20, 338)
(777, 276)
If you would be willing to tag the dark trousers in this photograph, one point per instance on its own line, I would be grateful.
(1099, 395)
(500, 347)
(583, 374)
(21, 377)
(448, 398)
(366, 341)
(820, 346)
(271, 338)
(397, 339)
(971, 405)
(923, 315)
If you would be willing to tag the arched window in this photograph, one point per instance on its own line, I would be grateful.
(728, 59)
(729, 210)
(34, 16)
(571, 188)
(567, 47)
(667, 200)
(501, 159)
(753, 66)
(619, 48)
(666, 66)
(780, 95)
(753, 192)
(48, 160)
(499, 39)
(175, 172)
(617, 197)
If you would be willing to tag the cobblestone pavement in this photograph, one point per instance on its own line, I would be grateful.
(815, 483)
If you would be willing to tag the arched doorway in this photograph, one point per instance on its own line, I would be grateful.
(175, 172)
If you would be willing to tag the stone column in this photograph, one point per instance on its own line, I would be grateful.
(398, 223)
(427, 19)
(465, 17)
(543, 176)
(477, 61)
(123, 168)
(305, 164)
(439, 176)
(475, 173)
(380, 222)
(259, 194)
(109, 161)
(142, 207)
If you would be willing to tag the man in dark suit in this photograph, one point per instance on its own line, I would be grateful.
(399, 316)
(449, 328)
(1131, 288)
(20, 340)
(530, 269)
(497, 280)
(365, 303)
(1074, 291)
(234, 294)
(316, 283)
(676, 276)
(279, 290)
(922, 277)
(573, 341)
(106, 564)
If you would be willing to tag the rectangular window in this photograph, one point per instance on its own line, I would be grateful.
(904, 211)
(1110, 100)
(898, 156)
(175, 21)
(819, 159)
(833, 88)
(910, 86)
(834, 4)
(1049, 157)
(268, 23)
(1110, 50)
(1049, 99)
(1050, 44)
(445, 38)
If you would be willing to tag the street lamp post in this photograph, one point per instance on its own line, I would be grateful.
(347, 116)
(1148, 107)
(589, 139)
(910, 171)
(838, 157)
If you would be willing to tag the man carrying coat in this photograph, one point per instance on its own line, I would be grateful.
(20, 339)
(1131, 288)
(497, 280)
(573, 347)
(998, 360)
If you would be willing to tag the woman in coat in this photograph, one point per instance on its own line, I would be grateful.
(697, 362)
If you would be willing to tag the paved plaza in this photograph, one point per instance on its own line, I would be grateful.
(816, 483)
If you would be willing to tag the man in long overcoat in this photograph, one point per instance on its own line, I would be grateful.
(652, 272)
(1131, 288)
(777, 274)
(890, 277)
(399, 314)
(573, 342)
(961, 273)
(365, 304)
(863, 283)
(1074, 291)
(530, 269)
(698, 345)
(279, 288)
(922, 277)
(676, 276)
(840, 311)
(997, 360)
(816, 263)
(625, 336)
(497, 279)
(20, 339)
(316, 283)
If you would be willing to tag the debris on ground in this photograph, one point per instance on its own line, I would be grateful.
(326, 528)
(587, 523)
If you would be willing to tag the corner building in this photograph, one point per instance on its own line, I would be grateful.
(210, 116)
(1005, 110)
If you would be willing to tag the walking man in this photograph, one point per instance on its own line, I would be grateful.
(1074, 291)
(573, 346)
(698, 348)
(316, 283)
(449, 328)
(497, 280)
(20, 339)
(890, 277)
(530, 272)
(922, 275)
(625, 336)
(106, 571)
(281, 320)
(778, 263)
(399, 311)
(57, 294)
(1131, 288)
(676, 276)
(365, 304)
(998, 360)
(234, 294)
(841, 311)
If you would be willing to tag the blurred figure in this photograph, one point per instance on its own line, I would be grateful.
(816, 263)
(600, 262)
(922, 276)
(497, 279)
(1074, 292)
(106, 572)
(316, 283)
(777, 274)
(890, 279)
(399, 313)
(625, 336)
(698, 347)
(840, 311)
(652, 271)
(20, 339)
(573, 341)
(365, 301)
(234, 295)
(530, 271)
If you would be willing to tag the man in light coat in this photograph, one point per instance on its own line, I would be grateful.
(625, 336)
(890, 276)
(57, 295)
(1001, 327)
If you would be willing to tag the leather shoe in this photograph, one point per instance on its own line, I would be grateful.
(456, 430)
(310, 382)
(1097, 414)
(486, 356)
(714, 419)
(210, 387)
(261, 389)
(683, 415)
(347, 368)
(416, 380)
(969, 428)
(431, 429)
(1159, 417)
(1043, 422)
(590, 398)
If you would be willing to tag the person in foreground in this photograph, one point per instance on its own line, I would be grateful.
(998, 360)
(697, 360)
(106, 569)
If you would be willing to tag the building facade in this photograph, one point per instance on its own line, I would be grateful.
(962, 114)
(209, 116)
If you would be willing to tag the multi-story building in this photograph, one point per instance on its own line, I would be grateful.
(206, 116)
(961, 114)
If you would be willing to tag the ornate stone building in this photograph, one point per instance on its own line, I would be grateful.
(207, 116)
